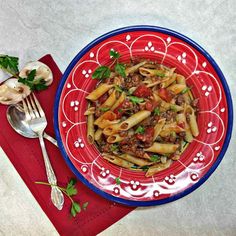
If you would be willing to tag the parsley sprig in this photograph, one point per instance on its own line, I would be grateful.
(70, 191)
(103, 72)
(10, 64)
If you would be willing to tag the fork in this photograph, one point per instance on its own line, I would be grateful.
(35, 117)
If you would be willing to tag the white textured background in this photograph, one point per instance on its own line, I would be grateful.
(30, 29)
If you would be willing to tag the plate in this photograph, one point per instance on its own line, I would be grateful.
(202, 156)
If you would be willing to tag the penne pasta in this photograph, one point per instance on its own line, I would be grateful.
(90, 128)
(134, 120)
(132, 69)
(157, 168)
(114, 138)
(151, 72)
(181, 119)
(89, 111)
(158, 127)
(117, 160)
(177, 88)
(135, 160)
(99, 91)
(106, 119)
(192, 121)
(172, 127)
(119, 101)
(162, 148)
(168, 82)
(98, 134)
(110, 100)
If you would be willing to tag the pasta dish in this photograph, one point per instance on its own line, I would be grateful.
(141, 116)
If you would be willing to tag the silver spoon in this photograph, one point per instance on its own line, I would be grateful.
(16, 119)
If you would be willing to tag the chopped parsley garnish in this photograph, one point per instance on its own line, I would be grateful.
(157, 111)
(104, 109)
(114, 147)
(120, 69)
(102, 72)
(155, 158)
(114, 54)
(140, 130)
(118, 88)
(118, 180)
(185, 90)
(135, 99)
(160, 74)
(144, 168)
(9, 64)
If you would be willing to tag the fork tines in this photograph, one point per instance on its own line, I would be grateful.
(32, 107)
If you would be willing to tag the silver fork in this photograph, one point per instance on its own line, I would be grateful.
(35, 117)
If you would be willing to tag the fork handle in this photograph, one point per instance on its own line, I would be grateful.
(49, 171)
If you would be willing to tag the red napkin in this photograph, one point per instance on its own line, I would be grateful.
(25, 155)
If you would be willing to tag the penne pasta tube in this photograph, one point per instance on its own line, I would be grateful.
(118, 101)
(114, 138)
(90, 128)
(98, 134)
(168, 82)
(111, 129)
(99, 91)
(162, 148)
(158, 127)
(117, 160)
(157, 168)
(90, 110)
(172, 127)
(110, 100)
(132, 69)
(106, 119)
(192, 121)
(176, 88)
(181, 118)
(136, 160)
(134, 120)
(151, 72)
(180, 79)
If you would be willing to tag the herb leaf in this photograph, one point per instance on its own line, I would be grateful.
(155, 158)
(75, 208)
(173, 108)
(104, 109)
(160, 74)
(118, 180)
(102, 72)
(185, 90)
(120, 69)
(84, 206)
(135, 99)
(118, 88)
(114, 54)
(9, 64)
(140, 130)
(157, 111)
(70, 189)
(32, 83)
(114, 147)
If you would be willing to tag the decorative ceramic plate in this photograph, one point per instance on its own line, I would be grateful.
(202, 156)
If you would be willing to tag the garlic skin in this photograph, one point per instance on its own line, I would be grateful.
(12, 91)
(42, 71)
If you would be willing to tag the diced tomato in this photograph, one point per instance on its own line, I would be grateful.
(119, 111)
(142, 91)
(147, 136)
(165, 94)
(149, 106)
(109, 115)
(103, 98)
(181, 124)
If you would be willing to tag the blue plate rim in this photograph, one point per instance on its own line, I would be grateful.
(188, 41)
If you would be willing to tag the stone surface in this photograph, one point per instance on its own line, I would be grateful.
(33, 28)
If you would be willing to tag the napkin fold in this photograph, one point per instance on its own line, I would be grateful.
(25, 154)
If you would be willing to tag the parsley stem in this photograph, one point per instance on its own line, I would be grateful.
(9, 72)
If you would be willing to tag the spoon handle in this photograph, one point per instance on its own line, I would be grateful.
(50, 139)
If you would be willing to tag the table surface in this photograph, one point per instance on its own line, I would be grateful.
(30, 29)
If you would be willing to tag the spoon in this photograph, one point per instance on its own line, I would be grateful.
(16, 119)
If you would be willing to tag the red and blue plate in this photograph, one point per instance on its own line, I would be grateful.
(202, 156)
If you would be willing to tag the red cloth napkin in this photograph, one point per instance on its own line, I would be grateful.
(25, 155)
